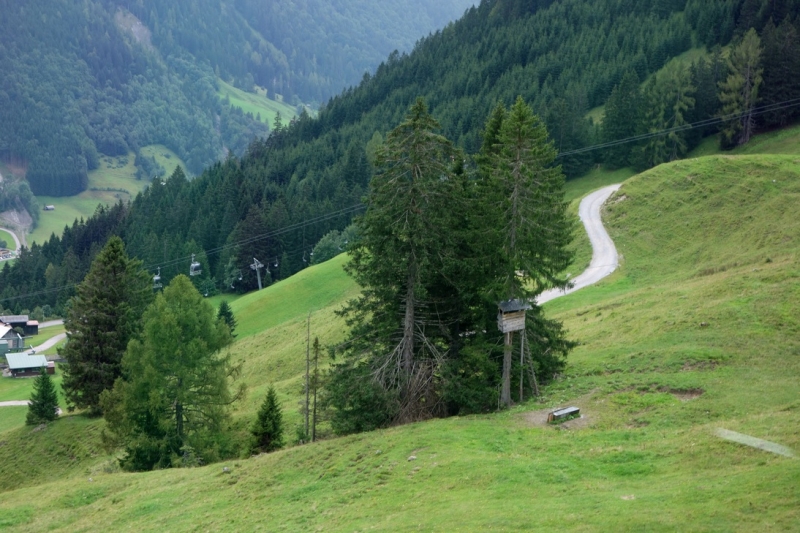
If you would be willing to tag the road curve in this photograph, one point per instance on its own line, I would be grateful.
(604, 254)
(14, 236)
(50, 342)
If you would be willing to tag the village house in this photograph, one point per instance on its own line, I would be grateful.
(29, 327)
(15, 340)
(23, 365)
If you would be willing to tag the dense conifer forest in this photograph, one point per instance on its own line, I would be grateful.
(102, 77)
(307, 178)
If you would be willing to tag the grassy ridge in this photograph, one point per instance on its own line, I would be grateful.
(695, 331)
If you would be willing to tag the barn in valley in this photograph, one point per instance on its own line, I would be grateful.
(29, 327)
(23, 365)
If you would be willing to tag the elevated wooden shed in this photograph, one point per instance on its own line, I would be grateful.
(511, 316)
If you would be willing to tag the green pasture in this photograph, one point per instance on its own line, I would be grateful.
(164, 157)
(11, 244)
(256, 104)
(699, 329)
(115, 180)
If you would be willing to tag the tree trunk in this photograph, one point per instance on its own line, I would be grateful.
(505, 392)
(408, 324)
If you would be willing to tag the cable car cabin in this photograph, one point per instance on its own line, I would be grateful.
(511, 316)
(157, 280)
(194, 268)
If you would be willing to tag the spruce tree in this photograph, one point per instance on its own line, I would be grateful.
(102, 317)
(43, 406)
(529, 227)
(407, 241)
(225, 313)
(268, 428)
(621, 120)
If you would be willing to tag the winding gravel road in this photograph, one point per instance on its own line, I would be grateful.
(14, 236)
(605, 259)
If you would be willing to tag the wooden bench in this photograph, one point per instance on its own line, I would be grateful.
(563, 414)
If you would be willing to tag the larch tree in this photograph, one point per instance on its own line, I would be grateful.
(102, 318)
(739, 92)
(171, 407)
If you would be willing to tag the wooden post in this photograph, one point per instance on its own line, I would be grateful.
(521, 365)
(308, 364)
(316, 378)
(505, 393)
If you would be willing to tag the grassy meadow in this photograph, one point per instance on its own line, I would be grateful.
(11, 244)
(256, 104)
(699, 329)
(115, 180)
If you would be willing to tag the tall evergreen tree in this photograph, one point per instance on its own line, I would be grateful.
(531, 229)
(268, 427)
(406, 235)
(622, 117)
(102, 318)
(43, 406)
(668, 101)
(225, 313)
(781, 70)
(739, 92)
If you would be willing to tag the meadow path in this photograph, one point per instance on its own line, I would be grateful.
(604, 254)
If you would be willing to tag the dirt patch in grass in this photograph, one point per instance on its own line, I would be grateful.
(684, 395)
(692, 366)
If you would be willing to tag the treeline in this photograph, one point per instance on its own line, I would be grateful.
(754, 86)
(564, 58)
(75, 85)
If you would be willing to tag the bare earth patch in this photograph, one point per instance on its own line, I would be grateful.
(686, 395)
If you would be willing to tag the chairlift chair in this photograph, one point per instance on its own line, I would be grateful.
(194, 268)
(157, 280)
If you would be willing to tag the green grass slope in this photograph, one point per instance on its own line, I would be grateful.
(256, 104)
(697, 330)
(115, 180)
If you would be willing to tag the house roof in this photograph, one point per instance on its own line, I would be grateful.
(510, 306)
(4, 329)
(8, 319)
(22, 361)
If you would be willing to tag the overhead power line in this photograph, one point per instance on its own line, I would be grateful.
(358, 207)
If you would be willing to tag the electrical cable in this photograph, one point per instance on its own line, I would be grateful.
(358, 207)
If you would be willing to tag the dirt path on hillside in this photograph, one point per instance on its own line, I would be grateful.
(604, 254)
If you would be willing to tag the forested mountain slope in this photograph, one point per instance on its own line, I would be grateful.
(564, 57)
(78, 80)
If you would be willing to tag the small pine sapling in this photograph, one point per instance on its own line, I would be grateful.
(43, 406)
(268, 428)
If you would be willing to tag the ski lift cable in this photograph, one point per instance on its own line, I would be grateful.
(180, 260)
